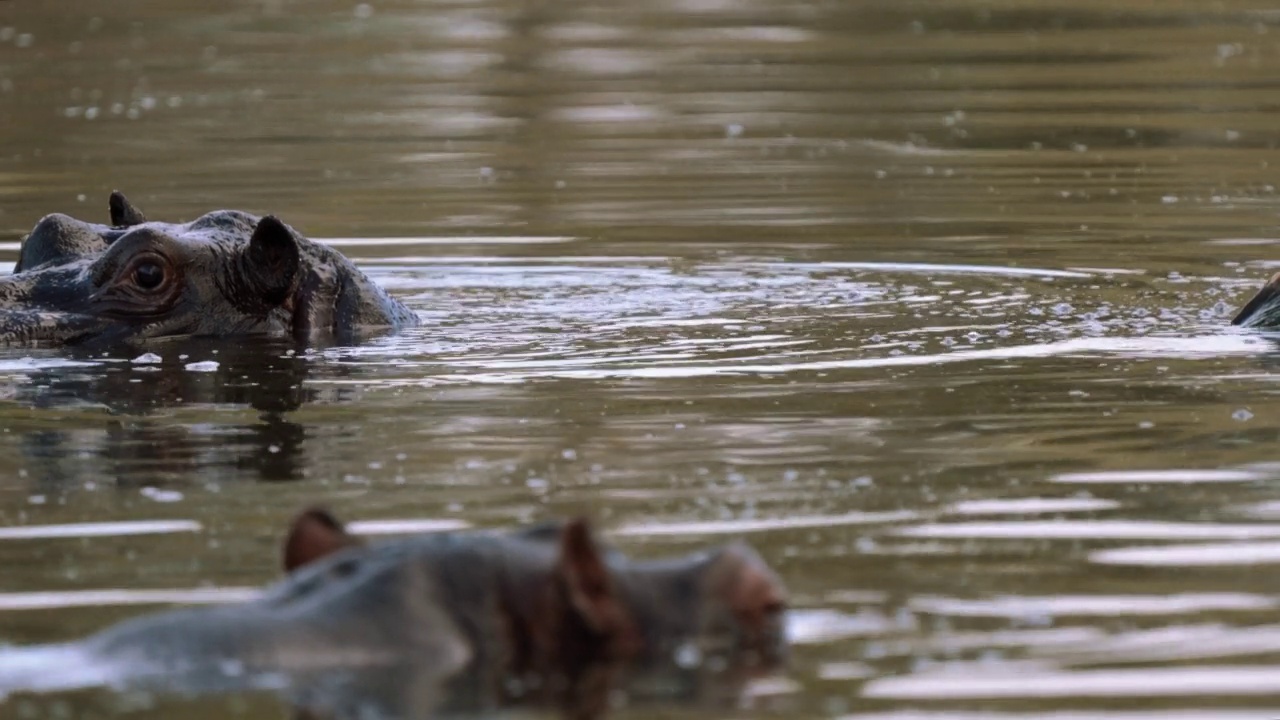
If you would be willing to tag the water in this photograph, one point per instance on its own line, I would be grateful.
(926, 300)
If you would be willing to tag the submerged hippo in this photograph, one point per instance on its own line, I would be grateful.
(227, 273)
(517, 613)
(1263, 310)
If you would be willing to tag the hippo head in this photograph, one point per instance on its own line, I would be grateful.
(227, 273)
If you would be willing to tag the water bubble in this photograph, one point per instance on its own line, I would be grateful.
(688, 656)
(160, 496)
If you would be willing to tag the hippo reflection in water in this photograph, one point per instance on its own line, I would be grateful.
(227, 273)
(540, 614)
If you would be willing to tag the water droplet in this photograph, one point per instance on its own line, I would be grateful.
(688, 656)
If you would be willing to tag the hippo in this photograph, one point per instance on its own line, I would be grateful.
(1263, 309)
(225, 274)
(514, 616)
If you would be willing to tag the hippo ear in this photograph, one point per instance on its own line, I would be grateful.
(123, 213)
(589, 586)
(315, 533)
(273, 260)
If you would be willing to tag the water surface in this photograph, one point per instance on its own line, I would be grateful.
(926, 300)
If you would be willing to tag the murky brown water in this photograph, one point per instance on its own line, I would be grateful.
(926, 299)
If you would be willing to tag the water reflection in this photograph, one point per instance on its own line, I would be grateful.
(136, 443)
(416, 692)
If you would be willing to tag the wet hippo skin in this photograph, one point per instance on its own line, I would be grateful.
(544, 613)
(224, 274)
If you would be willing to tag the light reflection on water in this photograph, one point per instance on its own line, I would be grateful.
(1034, 682)
(1174, 714)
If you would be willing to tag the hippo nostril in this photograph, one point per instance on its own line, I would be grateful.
(148, 275)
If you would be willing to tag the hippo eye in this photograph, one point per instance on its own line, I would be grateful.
(148, 275)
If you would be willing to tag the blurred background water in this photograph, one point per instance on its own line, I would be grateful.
(927, 300)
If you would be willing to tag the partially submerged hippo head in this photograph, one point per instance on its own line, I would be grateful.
(521, 615)
(564, 595)
(227, 273)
